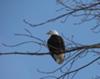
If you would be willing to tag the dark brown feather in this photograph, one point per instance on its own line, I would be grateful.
(56, 44)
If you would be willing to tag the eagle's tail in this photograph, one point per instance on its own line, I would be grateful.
(59, 58)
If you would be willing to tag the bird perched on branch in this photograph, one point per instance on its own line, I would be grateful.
(56, 46)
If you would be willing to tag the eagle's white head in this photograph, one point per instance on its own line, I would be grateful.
(52, 32)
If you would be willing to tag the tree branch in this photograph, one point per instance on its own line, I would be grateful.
(68, 50)
(80, 8)
(80, 68)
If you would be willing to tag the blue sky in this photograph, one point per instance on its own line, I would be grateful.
(12, 13)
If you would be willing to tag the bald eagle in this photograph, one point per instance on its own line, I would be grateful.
(56, 46)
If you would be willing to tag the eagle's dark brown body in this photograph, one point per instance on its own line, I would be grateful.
(57, 48)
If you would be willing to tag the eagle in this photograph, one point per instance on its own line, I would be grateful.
(56, 46)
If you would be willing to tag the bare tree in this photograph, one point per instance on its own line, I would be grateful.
(88, 11)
